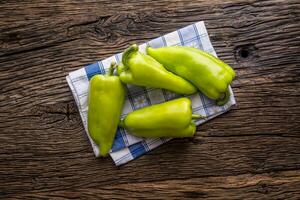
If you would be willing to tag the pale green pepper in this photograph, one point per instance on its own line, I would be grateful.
(208, 73)
(169, 119)
(140, 69)
(105, 102)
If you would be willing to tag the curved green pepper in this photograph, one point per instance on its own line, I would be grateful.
(208, 73)
(140, 69)
(169, 119)
(105, 102)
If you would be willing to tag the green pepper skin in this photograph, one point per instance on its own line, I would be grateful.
(169, 119)
(105, 102)
(208, 73)
(140, 69)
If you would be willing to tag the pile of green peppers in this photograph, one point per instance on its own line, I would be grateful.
(179, 69)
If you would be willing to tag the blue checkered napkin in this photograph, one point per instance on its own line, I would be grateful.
(127, 147)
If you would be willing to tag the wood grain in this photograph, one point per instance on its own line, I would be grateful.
(251, 152)
(246, 186)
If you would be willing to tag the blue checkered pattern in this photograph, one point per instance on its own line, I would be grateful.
(127, 147)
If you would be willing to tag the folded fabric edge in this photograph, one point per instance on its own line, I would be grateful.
(136, 150)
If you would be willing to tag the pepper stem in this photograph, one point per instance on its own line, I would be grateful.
(127, 53)
(224, 99)
(196, 116)
(113, 66)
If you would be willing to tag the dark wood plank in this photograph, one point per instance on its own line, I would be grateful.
(246, 186)
(250, 152)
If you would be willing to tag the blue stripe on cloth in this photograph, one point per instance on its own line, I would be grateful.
(198, 37)
(92, 70)
(119, 142)
(180, 37)
(137, 149)
(124, 136)
(147, 97)
(101, 67)
(164, 40)
(135, 90)
(130, 98)
(188, 33)
(119, 160)
(204, 105)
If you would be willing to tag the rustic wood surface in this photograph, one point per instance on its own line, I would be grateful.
(251, 152)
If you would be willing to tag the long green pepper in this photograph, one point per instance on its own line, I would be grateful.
(140, 69)
(169, 119)
(105, 102)
(209, 74)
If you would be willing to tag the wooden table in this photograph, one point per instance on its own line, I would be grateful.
(251, 152)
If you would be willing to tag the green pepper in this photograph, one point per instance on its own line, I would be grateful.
(169, 119)
(140, 69)
(105, 102)
(208, 73)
